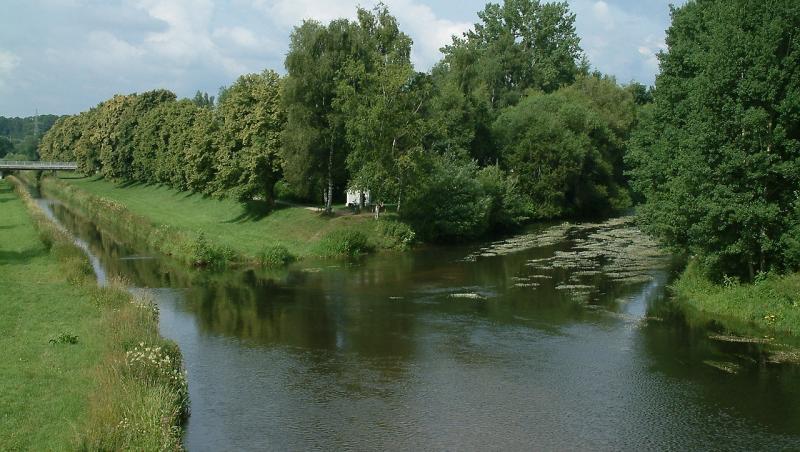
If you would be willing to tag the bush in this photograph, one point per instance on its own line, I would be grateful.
(449, 204)
(205, 254)
(343, 242)
(509, 208)
(395, 235)
(275, 256)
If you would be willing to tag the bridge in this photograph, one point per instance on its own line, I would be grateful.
(10, 165)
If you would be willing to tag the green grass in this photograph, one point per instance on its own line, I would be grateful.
(246, 231)
(771, 304)
(44, 387)
(59, 395)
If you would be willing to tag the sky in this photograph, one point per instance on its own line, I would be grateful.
(65, 56)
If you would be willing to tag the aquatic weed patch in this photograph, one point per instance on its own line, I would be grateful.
(614, 250)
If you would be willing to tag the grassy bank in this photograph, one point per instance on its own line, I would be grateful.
(771, 304)
(84, 367)
(194, 228)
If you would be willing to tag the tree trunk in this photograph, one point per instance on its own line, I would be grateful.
(269, 197)
(329, 198)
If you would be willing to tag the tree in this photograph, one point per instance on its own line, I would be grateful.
(381, 98)
(60, 141)
(87, 148)
(117, 119)
(6, 146)
(162, 144)
(566, 148)
(642, 95)
(717, 158)
(109, 115)
(518, 46)
(200, 156)
(509, 207)
(203, 100)
(251, 120)
(314, 141)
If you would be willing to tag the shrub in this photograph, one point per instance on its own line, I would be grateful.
(509, 207)
(275, 256)
(64, 338)
(343, 242)
(203, 253)
(449, 204)
(395, 235)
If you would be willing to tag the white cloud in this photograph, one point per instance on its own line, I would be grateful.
(288, 13)
(239, 36)
(186, 35)
(649, 51)
(602, 13)
(618, 41)
(429, 32)
(8, 62)
(106, 51)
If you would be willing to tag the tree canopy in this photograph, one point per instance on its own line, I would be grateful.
(508, 127)
(717, 156)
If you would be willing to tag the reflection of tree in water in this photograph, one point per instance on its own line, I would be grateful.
(679, 346)
(136, 265)
(315, 311)
(355, 343)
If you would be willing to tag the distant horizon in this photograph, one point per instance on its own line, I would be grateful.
(65, 67)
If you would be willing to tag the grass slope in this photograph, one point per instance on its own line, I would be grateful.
(771, 304)
(303, 232)
(44, 387)
(118, 386)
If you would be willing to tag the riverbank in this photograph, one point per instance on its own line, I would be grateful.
(772, 304)
(85, 366)
(200, 230)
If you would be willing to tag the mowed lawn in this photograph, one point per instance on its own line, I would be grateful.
(44, 387)
(225, 221)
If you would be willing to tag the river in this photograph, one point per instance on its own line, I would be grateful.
(564, 338)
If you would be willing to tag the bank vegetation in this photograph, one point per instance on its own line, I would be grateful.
(89, 367)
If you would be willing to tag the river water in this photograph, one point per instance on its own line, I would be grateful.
(563, 338)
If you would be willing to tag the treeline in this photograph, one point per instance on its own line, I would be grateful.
(717, 155)
(510, 126)
(19, 137)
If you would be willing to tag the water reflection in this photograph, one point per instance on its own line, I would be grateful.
(379, 354)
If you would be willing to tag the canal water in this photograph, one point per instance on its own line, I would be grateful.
(562, 338)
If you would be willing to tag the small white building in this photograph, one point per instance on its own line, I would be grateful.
(358, 197)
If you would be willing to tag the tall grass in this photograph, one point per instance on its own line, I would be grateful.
(140, 400)
(343, 243)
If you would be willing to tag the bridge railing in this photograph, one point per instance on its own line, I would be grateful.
(16, 164)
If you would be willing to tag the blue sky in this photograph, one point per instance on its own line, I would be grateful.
(65, 56)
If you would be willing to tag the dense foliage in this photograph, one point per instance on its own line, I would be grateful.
(569, 145)
(19, 137)
(717, 156)
(510, 126)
